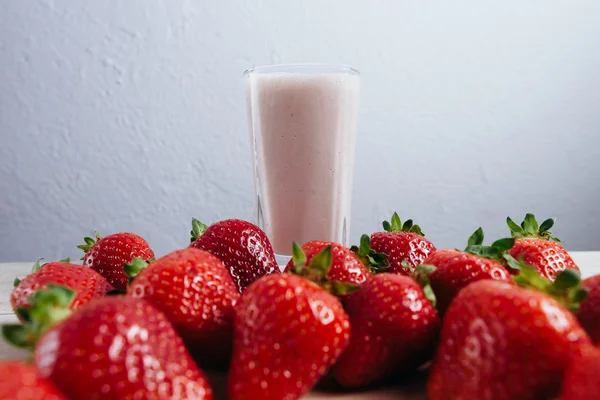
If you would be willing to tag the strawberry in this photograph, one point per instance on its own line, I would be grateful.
(243, 247)
(500, 342)
(404, 244)
(115, 347)
(195, 291)
(287, 333)
(536, 246)
(87, 283)
(106, 255)
(456, 269)
(581, 378)
(344, 268)
(394, 327)
(589, 310)
(21, 381)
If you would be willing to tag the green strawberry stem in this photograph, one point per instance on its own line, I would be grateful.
(476, 238)
(374, 261)
(529, 228)
(298, 258)
(395, 225)
(37, 265)
(133, 269)
(48, 307)
(421, 275)
(566, 288)
(318, 269)
(494, 251)
(198, 228)
(89, 242)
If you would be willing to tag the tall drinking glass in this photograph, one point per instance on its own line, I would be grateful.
(303, 131)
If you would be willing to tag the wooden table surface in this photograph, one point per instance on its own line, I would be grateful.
(588, 261)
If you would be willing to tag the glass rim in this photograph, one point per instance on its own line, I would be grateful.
(303, 68)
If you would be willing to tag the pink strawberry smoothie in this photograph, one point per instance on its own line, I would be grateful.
(303, 122)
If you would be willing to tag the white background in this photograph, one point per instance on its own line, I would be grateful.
(129, 115)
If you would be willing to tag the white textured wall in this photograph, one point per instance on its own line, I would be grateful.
(129, 115)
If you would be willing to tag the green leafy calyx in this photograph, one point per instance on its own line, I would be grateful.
(37, 265)
(374, 261)
(529, 228)
(89, 243)
(317, 270)
(494, 251)
(566, 288)
(396, 225)
(134, 268)
(421, 275)
(48, 307)
(198, 228)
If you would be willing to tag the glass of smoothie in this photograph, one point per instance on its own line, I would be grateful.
(303, 130)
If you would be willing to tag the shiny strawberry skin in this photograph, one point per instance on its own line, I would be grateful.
(457, 269)
(589, 309)
(502, 342)
(243, 247)
(109, 254)
(288, 333)
(345, 266)
(195, 291)
(21, 381)
(394, 328)
(547, 256)
(581, 381)
(402, 246)
(119, 348)
(87, 283)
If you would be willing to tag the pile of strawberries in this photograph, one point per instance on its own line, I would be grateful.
(509, 320)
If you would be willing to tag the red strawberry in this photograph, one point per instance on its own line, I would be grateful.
(404, 244)
(243, 247)
(288, 333)
(394, 327)
(456, 269)
(502, 342)
(581, 378)
(196, 293)
(344, 266)
(536, 246)
(21, 381)
(87, 283)
(589, 310)
(106, 255)
(111, 348)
